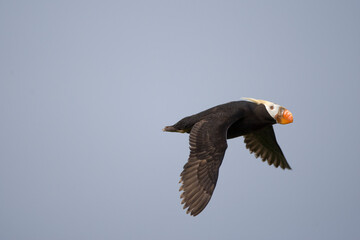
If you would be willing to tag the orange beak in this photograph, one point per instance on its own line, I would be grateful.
(285, 117)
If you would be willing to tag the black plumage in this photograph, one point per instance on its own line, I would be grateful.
(209, 131)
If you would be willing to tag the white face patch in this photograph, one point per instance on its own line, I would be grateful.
(272, 108)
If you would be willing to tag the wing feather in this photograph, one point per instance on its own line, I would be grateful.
(207, 148)
(263, 144)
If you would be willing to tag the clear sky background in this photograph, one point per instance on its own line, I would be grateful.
(87, 86)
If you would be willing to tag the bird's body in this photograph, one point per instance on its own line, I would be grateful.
(209, 131)
(242, 117)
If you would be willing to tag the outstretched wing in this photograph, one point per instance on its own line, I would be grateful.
(263, 143)
(200, 174)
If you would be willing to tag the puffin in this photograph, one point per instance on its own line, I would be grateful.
(209, 130)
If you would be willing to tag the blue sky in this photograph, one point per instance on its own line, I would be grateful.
(87, 86)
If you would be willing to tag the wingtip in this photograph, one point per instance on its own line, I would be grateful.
(286, 168)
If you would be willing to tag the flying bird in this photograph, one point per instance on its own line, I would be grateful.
(209, 131)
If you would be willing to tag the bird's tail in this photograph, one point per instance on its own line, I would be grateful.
(172, 129)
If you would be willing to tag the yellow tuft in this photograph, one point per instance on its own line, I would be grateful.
(257, 101)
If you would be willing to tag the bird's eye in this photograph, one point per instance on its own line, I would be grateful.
(272, 107)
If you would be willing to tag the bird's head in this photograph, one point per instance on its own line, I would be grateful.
(279, 113)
